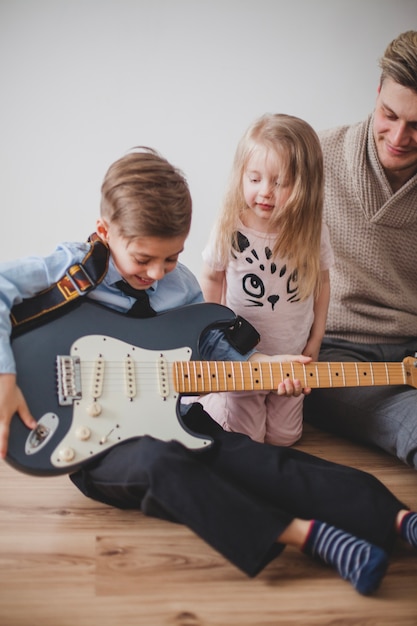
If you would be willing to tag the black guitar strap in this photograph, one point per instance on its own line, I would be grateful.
(78, 280)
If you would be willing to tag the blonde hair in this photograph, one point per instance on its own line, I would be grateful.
(145, 196)
(297, 223)
(400, 60)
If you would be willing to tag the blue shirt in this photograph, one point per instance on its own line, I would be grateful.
(28, 276)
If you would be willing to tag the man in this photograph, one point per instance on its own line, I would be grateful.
(371, 211)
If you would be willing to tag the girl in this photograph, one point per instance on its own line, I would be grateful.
(268, 260)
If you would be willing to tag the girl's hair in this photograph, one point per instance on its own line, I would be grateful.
(400, 60)
(297, 223)
(145, 196)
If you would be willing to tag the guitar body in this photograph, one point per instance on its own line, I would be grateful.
(73, 430)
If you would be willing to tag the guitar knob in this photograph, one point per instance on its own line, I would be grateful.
(94, 409)
(83, 433)
(66, 454)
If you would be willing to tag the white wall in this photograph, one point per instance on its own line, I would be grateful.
(82, 81)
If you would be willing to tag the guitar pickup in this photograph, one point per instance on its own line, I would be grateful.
(163, 377)
(68, 379)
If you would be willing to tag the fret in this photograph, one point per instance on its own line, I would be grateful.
(180, 376)
(224, 374)
(242, 379)
(195, 375)
(270, 374)
(217, 374)
(387, 372)
(261, 376)
(208, 379)
(318, 375)
(192, 375)
(232, 383)
(184, 377)
(372, 373)
(252, 371)
(357, 373)
(343, 374)
(176, 378)
(251, 376)
(281, 370)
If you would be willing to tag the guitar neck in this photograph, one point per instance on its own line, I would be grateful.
(211, 376)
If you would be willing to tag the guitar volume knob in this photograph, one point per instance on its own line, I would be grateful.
(66, 454)
(94, 409)
(83, 433)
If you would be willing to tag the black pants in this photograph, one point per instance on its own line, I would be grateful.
(239, 495)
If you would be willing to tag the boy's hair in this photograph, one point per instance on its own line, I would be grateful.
(145, 196)
(297, 224)
(400, 60)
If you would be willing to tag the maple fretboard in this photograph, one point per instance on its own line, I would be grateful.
(211, 376)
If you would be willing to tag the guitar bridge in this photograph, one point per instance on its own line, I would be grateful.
(68, 379)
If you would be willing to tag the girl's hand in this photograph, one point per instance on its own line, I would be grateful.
(11, 402)
(288, 387)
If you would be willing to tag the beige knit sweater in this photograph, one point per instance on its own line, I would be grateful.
(374, 237)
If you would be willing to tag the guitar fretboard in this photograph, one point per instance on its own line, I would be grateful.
(212, 376)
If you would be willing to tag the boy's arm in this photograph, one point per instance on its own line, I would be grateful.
(18, 280)
(321, 305)
(212, 284)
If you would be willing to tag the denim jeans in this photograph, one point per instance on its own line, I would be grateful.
(383, 416)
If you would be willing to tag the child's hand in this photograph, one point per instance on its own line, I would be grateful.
(291, 387)
(11, 402)
(288, 387)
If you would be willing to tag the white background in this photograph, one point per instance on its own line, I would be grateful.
(83, 81)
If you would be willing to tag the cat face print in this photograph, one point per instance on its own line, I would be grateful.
(260, 267)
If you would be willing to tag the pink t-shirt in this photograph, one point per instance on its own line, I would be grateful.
(263, 290)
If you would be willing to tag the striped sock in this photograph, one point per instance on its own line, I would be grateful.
(408, 528)
(359, 562)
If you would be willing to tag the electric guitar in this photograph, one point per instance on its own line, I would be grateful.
(93, 378)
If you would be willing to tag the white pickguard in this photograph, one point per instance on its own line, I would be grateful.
(126, 392)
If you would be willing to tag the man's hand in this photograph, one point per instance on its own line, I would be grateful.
(11, 402)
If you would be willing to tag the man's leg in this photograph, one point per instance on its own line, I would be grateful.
(384, 416)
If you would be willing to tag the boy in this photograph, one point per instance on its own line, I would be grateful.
(282, 495)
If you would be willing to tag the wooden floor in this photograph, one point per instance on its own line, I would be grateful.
(68, 561)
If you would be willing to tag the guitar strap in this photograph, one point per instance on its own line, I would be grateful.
(78, 280)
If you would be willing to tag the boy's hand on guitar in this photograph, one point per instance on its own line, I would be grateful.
(289, 386)
(11, 402)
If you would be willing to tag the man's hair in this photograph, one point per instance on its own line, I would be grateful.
(399, 62)
(145, 196)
